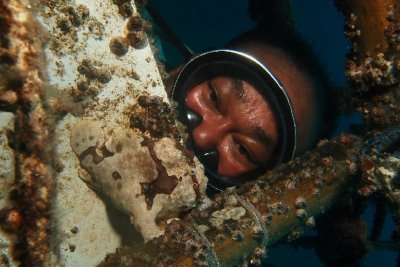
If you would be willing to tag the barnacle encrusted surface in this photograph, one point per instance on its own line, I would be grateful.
(151, 180)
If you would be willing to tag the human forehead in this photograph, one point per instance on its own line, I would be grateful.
(241, 89)
(244, 100)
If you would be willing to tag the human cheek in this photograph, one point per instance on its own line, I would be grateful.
(231, 164)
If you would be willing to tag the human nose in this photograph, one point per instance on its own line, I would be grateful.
(211, 130)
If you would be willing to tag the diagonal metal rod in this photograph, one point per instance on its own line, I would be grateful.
(169, 32)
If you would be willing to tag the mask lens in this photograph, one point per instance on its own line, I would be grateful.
(193, 119)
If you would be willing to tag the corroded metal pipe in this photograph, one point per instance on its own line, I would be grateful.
(240, 222)
(374, 62)
(28, 214)
(367, 21)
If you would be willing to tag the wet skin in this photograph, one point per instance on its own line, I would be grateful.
(236, 121)
(240, 124)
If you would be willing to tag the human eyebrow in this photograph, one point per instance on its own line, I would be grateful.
(238, 87)
(261, 135)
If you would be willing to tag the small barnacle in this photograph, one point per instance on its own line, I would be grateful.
(228, 230)
(74, 230)
(257, 232)
(72, 247)
(137, 40)
(345, 139)
(125, 10)
(204, 204)
(82, 85)
(381, 61)
(391, 16)
(260, 252)
(204, 214)
(137, 122)
(295, 234)
(216, 222)
(315, 191)
(203, 228)
(86, 68)
(230, 213)
(220, 237)
(64, 25)
(291, 184)
(266, 219)
(83, 11)
(231, 200)
(257, 256)
(301, 213)
(352, 167)
(119, 46)
(237, 235)
(103, 75)
(327, 161)
(191, 245)
(93, 90)
(306, 172)
(58, 166)
(255, 199)
(200, 254)
(135, 23)
(74, 17)
(353, 17)
(255, 261)
(8, 99)
(278, 208)
(318, 182)
(310, 222)
(116, 175)
(10, 220)
(96, 28)
(200, 263)
(300, 203)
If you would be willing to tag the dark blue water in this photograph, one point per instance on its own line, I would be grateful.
(209, 24)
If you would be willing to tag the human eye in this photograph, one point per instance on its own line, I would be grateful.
(244, 151)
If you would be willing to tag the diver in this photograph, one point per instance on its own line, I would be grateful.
(258, 102)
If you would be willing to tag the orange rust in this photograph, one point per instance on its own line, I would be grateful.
(178, 247)
(28, 214)
(372, 20)
(345, 139)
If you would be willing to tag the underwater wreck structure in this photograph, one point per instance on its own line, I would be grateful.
(64, 62)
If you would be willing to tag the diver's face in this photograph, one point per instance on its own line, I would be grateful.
(236, 121)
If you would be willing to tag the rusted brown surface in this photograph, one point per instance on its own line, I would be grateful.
(282, 200)
(29, 213)
(366, 23)
(373, 66)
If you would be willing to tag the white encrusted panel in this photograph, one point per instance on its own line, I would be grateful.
(7, 178)
(87, 229)
(7, 163)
